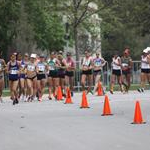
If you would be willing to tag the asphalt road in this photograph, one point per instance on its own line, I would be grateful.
(52, 125)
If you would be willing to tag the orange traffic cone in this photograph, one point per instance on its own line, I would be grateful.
(106, 109)
(59, 94)
(138, 115)
(100, 90)
(84, 103)
(68, 97)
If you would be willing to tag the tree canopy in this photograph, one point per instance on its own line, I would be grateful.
(38, 24)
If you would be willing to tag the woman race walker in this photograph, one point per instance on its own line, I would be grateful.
(69, 75)
(127, 64)
(31, 76)
(13, 68)
(22, 89)
(86, 67)
(116, 72)
(2, 70)
(61, 71)
(42, 68)
(98, 64)
(53, 64)
(145, 69)
(26, 61)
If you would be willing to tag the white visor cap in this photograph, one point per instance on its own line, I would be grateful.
(33, 56)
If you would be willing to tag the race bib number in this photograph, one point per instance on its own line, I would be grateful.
(13, 71)
(87, 63)
(41, 68)
(51, 67)
(124, 65)
(31, 68)
(97, 63)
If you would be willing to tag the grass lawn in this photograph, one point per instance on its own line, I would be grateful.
(6, 92)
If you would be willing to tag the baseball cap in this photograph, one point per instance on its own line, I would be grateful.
(26, 54)
(60, 52)
(148, 49)
(33, 56)
(42, 56)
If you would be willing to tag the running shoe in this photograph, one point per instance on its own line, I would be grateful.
(28, 100)
(31, 98)
(139, 90)
(91, 92)
(49, 98)
(37, 95)
(22, 97)
(56, 97)
(71, 94)
(104, 92)
(111, 92)
(16, 101)
(40, 99)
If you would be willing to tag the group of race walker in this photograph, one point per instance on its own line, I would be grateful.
(28, 75)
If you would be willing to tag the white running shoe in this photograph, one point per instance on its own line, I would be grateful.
(22, 97)
(26, 99)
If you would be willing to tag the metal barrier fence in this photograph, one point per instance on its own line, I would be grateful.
(106, 73)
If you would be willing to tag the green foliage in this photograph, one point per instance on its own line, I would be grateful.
(9, 16)
(120, 28)
(48, 27)
(48, 30)
(124, 23)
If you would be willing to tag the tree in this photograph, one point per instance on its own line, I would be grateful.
(47, 25)
(9, 16)
(120, 28)
(78, 11)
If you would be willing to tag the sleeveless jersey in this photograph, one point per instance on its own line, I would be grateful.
(31, 67)
(125, 61)
(41, 66)
(86, 62)
(52, 64)
(145, 65)
(114, 66)
(13, 71)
